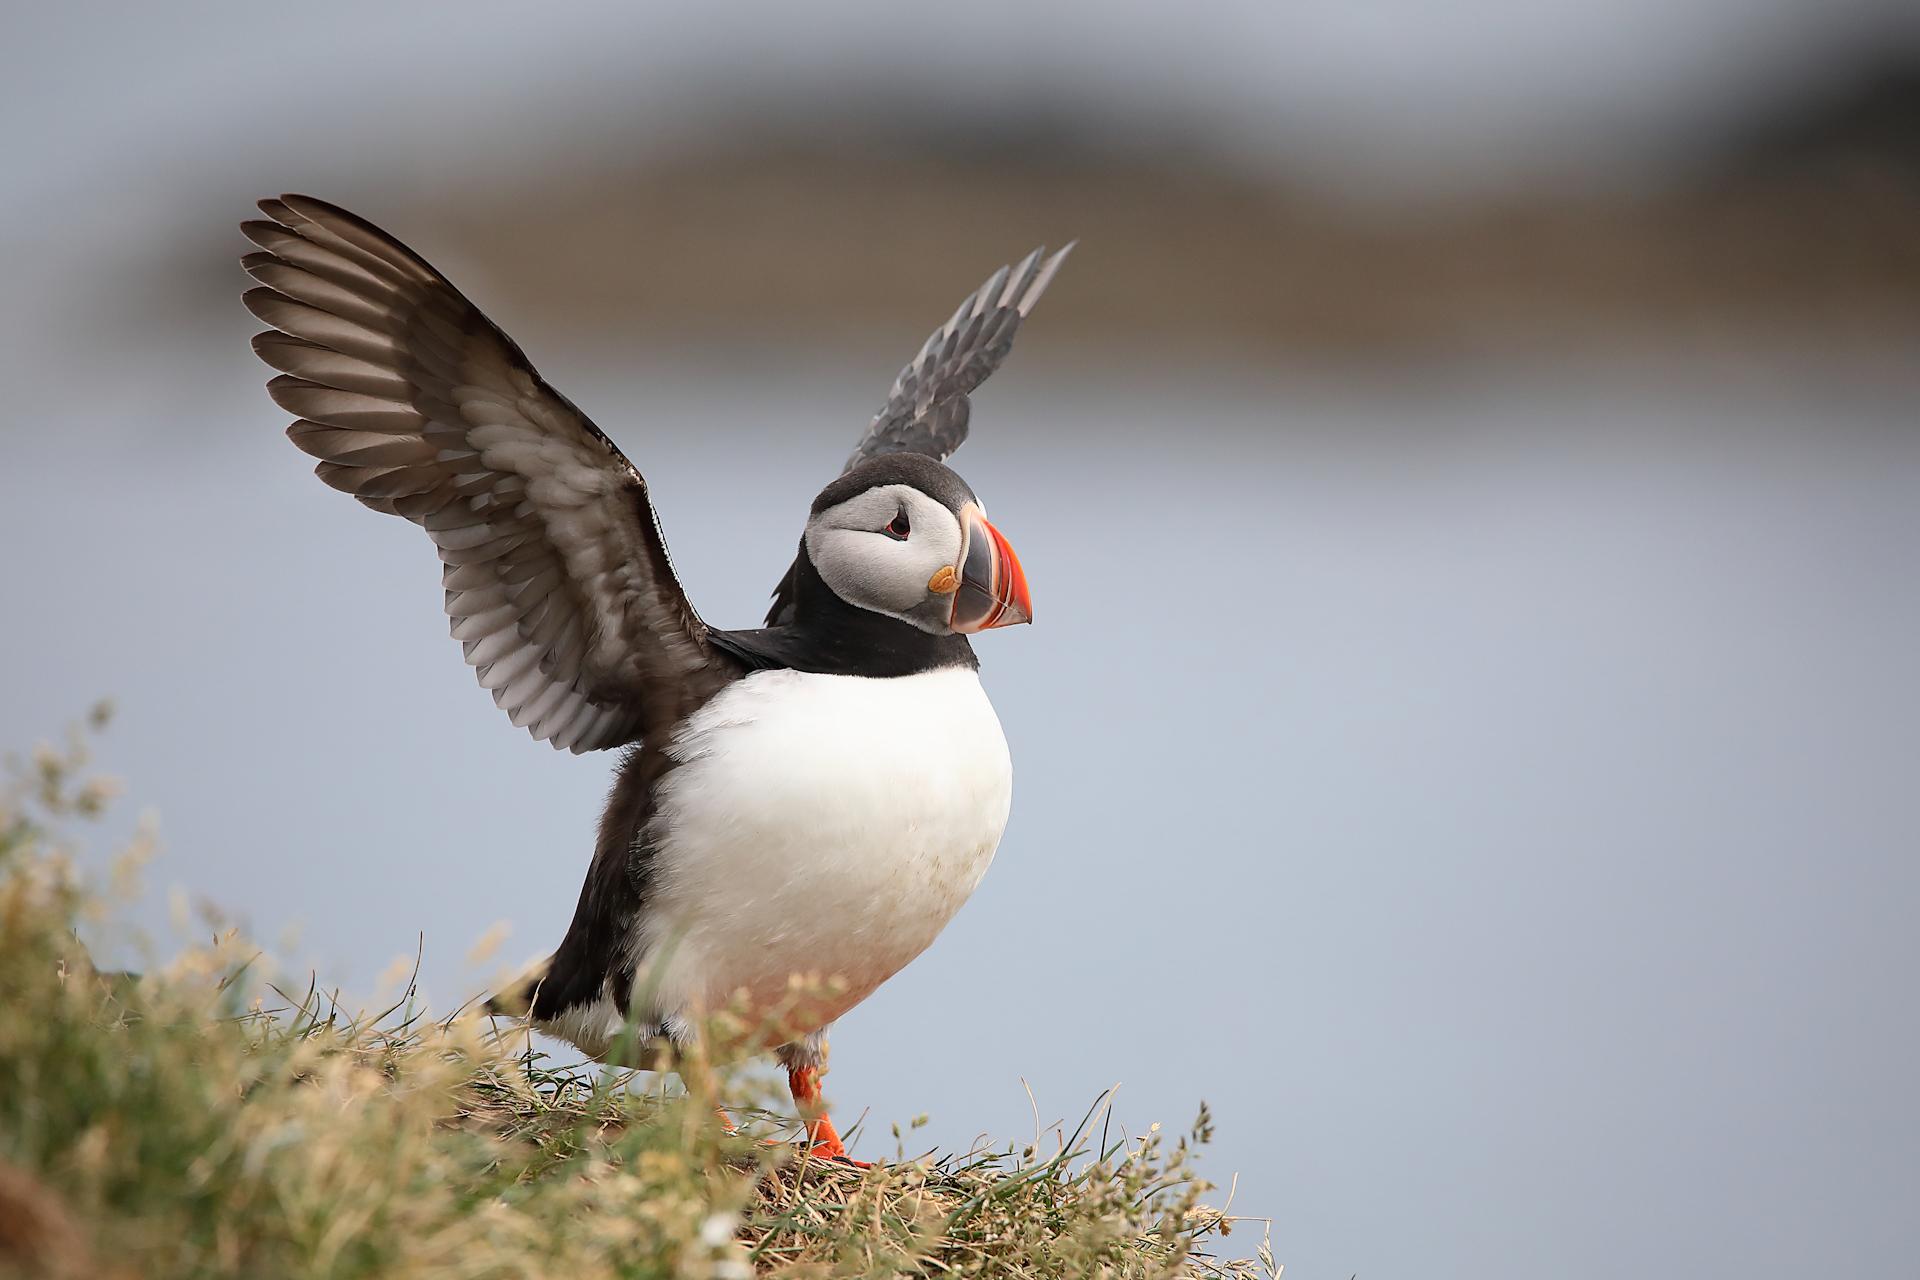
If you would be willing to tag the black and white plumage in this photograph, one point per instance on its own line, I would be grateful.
(764, 821)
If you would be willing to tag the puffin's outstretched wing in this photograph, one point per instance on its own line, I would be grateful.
(927, 410)
(558, 583)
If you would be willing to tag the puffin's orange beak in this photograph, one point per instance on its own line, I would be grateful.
(993, 586)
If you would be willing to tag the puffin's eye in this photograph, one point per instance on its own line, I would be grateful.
(898, 526)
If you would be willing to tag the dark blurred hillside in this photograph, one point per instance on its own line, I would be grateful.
(800, 241)
(797, 239)
(1860, 128)
(1801, 228)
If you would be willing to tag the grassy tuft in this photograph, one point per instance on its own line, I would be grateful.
(176, 1123)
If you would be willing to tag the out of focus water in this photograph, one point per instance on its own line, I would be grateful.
(1497, 795)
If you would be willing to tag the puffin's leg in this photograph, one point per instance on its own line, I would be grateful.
(822, 1138)
(805, 1063)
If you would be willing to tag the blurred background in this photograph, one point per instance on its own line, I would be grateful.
(1469, 475)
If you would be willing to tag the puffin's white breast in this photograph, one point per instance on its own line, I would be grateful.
(818, 824)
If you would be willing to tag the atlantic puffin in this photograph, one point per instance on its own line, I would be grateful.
(763, 821)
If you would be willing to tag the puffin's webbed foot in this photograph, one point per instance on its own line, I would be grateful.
(822, 1138)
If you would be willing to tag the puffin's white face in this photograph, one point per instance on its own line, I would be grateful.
(895, 550)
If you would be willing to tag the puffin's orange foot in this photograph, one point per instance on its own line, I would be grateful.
(839, 1156)
(826, 1145)
(822, 1138)
(833, 1151)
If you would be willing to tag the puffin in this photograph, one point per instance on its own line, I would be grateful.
(798, 809)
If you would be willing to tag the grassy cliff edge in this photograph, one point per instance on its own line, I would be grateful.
(179, 1123)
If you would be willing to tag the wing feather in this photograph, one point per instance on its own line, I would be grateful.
(557, 580)
(927, 410)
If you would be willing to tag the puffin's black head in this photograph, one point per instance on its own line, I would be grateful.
(902, 535)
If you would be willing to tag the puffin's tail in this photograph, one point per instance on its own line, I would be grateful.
(515, 1000)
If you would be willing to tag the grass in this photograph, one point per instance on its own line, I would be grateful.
(199, 1120)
